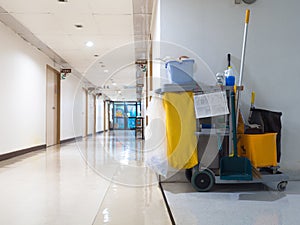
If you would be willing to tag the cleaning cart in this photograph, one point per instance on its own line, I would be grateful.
(250, 158)
(224, 154)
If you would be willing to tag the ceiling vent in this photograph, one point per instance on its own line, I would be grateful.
(246, 1)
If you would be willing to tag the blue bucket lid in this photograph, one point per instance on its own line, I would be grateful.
(179, 61)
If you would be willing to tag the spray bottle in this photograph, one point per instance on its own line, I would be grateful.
(229, 75)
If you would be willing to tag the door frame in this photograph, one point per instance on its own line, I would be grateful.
(58, 90)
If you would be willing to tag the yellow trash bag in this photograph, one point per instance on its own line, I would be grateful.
(180, 128)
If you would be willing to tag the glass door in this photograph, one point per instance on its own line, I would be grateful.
(124, 115)
(131, 109)
(119, 116)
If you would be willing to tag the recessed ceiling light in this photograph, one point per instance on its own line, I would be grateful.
(96, 55)
(62, 0)
(114, 83)
(105, 71)
(79, 26)
(89, 44)
(102, 65)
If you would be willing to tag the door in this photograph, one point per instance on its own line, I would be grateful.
(52, 107)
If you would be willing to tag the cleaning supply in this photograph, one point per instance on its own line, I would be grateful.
(235, 167)
(229, 75)
(220, 79)
(247, 17)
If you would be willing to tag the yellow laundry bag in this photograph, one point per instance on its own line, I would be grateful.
(180, 128)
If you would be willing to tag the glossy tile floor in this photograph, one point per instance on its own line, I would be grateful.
(103, 180)
(253, 204)
(98, 180)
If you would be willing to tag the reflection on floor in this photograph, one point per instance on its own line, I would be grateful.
(98, 180)
(253, 204)
(103, 180)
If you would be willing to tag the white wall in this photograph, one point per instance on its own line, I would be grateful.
(213, 28)
(22, 93)
(100, 115)
(23, 96)
(90, 114)
(71, 108)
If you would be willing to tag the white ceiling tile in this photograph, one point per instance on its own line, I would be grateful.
(108, 23)
(43, 6)
(29, 6)
(40, 23)
(115, 24)
(111, 7)
(58, 42)
(68, 21)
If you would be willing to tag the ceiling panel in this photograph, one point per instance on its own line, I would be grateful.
(45, 23)
(115, 24)
(44, 6)
(68, 21)
(58, 42)
(111, 7)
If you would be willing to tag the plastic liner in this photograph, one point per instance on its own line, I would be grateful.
(155, 137)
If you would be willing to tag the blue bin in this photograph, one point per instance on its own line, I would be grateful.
(180, 72)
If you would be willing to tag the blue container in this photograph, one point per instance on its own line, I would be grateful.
(230, 80)
(181, 72)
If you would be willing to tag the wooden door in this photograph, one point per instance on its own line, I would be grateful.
(52, 107)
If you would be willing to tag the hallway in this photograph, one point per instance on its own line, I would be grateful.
(97, 180)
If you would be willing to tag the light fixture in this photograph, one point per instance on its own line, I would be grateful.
(105, 71)
(62, 0)
(245, 1)
(249, 1)
(89, 44)
(114, 83)
(79, 26)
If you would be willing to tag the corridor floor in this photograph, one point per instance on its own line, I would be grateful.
(103, 179)
(98, 180)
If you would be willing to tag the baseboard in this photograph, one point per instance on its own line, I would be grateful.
(69, 140)
(21, 152)
(100, 132)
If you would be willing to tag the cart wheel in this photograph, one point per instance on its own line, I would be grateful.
(282, 186)
(203, 180)
(189, 174)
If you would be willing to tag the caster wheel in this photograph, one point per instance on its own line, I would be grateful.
(282, 186)
(203, 180)
(189, 174)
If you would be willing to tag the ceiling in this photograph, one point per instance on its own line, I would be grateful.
(116, 27)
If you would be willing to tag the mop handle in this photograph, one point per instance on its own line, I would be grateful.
(247, 17)
(234, 122)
